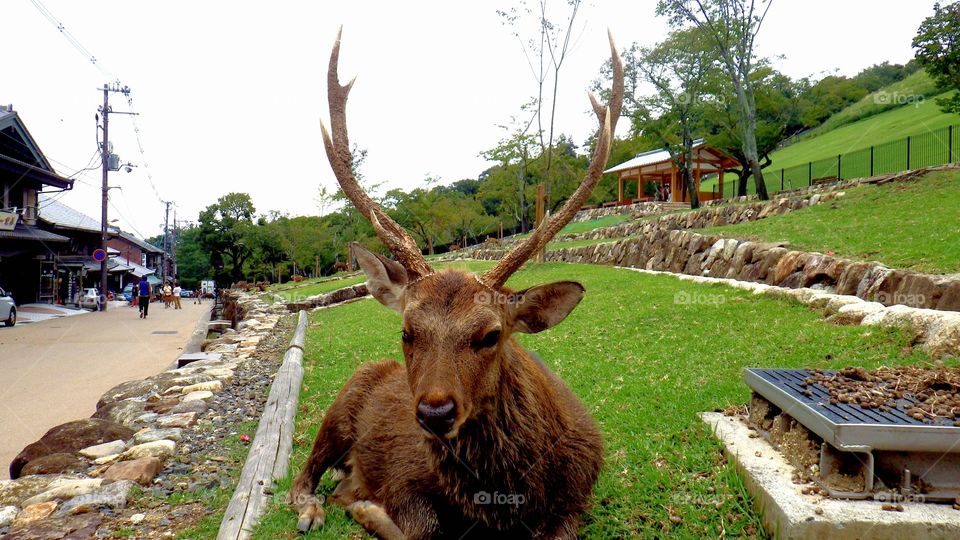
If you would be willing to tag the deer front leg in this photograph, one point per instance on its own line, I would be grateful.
(412, 518)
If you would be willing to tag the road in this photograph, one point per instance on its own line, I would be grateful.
(54, 371)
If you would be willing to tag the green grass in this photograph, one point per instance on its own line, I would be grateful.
(913, 225)
(917, 87)
(276, 287)
(645, 364)
(325, 286)
(840, 136)
(586, 226)
(553, 246)
(892, 125)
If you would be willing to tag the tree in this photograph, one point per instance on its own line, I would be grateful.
(193, 261)
(778, 110)
(511, 182)
(732, 26)
(678, 69)
(545, 53)
(224, 227)
(937, 45)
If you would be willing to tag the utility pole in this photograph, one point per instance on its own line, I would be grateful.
(105, 158)
(166, 235)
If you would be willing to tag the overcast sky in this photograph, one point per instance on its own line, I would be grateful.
(230, 93)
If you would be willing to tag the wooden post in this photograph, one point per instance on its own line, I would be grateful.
(541, 204)
(500, 231)
(269, 456)
(619, 189)
(720, 181)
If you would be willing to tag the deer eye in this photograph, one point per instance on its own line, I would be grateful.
(407, 337)
(489, 340)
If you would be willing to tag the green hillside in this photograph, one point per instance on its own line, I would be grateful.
(860, 126)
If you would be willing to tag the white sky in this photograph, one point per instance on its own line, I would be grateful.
(230, 93)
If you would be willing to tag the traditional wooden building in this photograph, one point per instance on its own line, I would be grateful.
(657, 168)
(27, 252)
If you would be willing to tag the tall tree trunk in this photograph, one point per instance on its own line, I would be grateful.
(748, 123)
(687, 170)
(743, 177)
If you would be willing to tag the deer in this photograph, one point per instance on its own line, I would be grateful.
(471, 436)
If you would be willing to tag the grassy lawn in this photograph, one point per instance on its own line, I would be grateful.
(903, 225)
(320, 287)
(553, 246)
(586, 226)
(645, 364)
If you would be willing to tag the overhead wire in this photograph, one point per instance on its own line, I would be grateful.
(88, 55)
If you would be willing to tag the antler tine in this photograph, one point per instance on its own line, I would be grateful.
(337, 145)
(607, 116)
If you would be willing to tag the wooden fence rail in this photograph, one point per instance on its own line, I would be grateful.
(269, 455)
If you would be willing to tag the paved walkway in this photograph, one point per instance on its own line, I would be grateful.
(54, 371)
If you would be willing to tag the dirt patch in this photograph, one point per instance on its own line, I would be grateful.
(932, 392)
(798, 445)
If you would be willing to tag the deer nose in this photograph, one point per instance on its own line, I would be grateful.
(435, 417)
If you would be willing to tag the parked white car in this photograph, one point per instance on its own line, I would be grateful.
(8, 309)
(90, 299)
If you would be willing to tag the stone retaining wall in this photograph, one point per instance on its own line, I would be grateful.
(688, 252)
(637, 209)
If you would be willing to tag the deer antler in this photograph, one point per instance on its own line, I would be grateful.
(403, 247)
(607, 116)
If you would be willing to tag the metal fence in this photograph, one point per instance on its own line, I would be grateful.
(936, 147)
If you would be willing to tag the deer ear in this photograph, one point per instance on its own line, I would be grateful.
(544, 306)
(386, 279)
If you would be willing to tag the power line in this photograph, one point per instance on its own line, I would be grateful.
(70, 37)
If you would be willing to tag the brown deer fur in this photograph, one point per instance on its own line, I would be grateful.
(519, 432)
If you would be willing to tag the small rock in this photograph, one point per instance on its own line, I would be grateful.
(151, 435)
(141, 471)
(147, 417)
(113, 496)
(34, 512)
(197, 406)
(105, 449)
(55, 464)
(199, 394)
(64, 489)
(212, 386)
(158, 449)
(7, 515)
(137, 518)
(180, 420)
(106, 459)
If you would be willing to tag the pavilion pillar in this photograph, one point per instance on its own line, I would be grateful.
(619, 189)
(720, 181)
(675, 194)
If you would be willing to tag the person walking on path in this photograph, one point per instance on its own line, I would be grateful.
(166, 295)
(144, 301)
(176, 296)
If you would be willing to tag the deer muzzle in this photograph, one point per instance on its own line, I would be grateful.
(437, 414)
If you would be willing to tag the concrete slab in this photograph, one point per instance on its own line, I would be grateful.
(788, 514)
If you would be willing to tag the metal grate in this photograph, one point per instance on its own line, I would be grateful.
(850, 427)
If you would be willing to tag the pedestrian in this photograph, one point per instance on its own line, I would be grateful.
(198, 295)
(176, 296)
(167, 291)
(144, 301)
